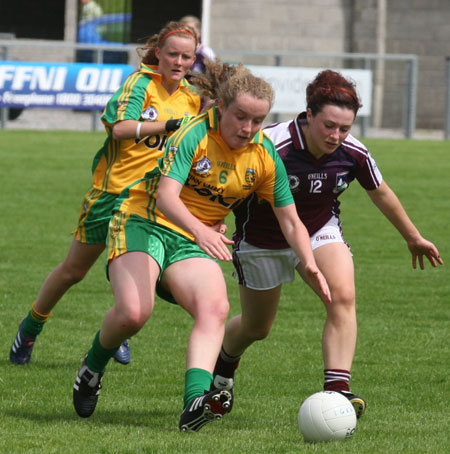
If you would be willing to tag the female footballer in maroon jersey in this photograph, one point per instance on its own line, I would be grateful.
(321, 159)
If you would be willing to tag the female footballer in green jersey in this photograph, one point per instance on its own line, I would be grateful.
(164, 236)
(151, 104)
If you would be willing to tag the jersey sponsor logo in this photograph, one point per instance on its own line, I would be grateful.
(341, 184)
(194, 183)
(317, 176)
(203, 167)
(228, 202)
(294, 183)
(213, 193)
(150, 114)
(226, 165)
(155, 141)
(325, 237)
(173, 112)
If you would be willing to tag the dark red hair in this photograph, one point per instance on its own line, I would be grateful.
(331, 87)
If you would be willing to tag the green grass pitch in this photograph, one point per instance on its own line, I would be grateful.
(401, 364)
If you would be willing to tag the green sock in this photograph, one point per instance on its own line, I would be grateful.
(197, 381)
(98, 357)
(31, 327)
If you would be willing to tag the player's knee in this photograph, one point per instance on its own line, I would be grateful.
(344, 298)
(258, 333)
(133, 320)
(220, 311)
(343, 309)
(223, 310)
(215, 313)
(72, 275)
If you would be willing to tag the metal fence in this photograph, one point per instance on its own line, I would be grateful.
(405, 88)
(447, 102)
(394, 75)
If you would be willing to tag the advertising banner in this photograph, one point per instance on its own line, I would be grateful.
(290, 84)
(89, 86)
(84, 86)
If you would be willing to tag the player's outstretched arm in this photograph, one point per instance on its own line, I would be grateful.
(131, 129)
(389, 204)
(297, 236)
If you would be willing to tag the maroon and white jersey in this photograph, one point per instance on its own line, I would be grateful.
(315, 184)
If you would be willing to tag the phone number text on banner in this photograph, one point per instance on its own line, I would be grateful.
(84, 86)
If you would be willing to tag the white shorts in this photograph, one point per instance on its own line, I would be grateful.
(263, 269)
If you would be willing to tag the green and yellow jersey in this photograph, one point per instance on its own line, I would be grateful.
(142, 97)
(215, 178)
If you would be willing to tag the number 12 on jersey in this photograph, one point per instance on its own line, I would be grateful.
(316, 186)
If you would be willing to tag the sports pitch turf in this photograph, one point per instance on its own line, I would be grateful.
(401, 364)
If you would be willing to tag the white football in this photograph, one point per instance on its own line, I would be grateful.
(326, 416)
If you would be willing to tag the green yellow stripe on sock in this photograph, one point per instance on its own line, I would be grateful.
(37, 315)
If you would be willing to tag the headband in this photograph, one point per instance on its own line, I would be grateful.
(175, 31)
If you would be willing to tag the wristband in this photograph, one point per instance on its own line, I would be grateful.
(173, 125)
(138, 130)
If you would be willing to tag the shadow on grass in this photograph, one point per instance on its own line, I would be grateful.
(125, 418)
(45, 364)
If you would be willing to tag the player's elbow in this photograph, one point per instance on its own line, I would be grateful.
(164, 202)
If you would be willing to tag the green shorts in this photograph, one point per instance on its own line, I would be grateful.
(95, 215)
(134, 233)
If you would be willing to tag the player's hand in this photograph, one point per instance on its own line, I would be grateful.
(214, 244)
(422, 247)
(317, 281)
(173, 125)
